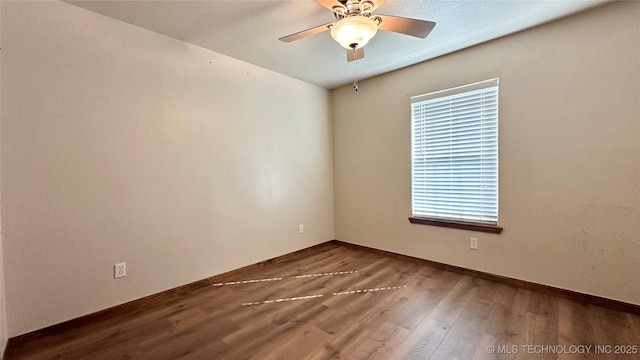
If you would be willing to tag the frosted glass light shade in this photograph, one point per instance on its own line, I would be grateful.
(354, 32)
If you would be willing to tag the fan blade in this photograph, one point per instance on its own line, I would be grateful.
(412, 27)
(305, 33)
(330, 4)
(355, 54)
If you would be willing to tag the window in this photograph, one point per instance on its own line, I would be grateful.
(454, 157)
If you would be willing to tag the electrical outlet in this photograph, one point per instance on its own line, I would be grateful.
(300, 228)
(120, 270)
(473, 243)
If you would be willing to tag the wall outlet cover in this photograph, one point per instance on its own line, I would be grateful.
(120, 270)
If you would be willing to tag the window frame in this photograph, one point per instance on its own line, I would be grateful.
(480, 226)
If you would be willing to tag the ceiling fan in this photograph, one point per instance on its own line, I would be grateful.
(356, 25)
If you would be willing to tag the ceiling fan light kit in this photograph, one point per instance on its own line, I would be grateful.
(354, 32)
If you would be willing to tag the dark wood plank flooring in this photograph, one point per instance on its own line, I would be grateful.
(338, 302)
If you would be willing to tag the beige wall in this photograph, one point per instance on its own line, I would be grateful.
(3, 312)
(123, 145)
(569, 156)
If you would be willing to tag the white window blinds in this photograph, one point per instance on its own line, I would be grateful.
(455, 153)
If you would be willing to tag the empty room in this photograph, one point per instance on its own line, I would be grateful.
(329, 179)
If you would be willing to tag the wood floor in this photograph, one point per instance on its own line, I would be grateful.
(338, 302)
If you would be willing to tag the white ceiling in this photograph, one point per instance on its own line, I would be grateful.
(248, 30)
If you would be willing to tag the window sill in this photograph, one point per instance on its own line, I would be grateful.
(494, 229)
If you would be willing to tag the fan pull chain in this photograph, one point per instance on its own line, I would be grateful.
(355, 71)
